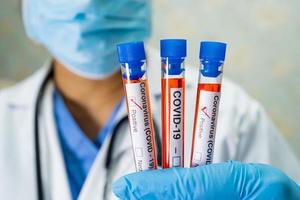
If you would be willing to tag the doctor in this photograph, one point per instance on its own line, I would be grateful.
(64, 130)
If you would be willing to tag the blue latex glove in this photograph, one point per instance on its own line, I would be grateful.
(230, 180)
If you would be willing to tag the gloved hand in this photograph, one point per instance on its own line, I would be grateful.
(229, 180)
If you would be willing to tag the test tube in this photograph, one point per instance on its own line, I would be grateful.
(133, 66)
(173, 53)
(212, 55)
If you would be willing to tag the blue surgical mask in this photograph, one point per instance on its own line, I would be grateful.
(82, 34)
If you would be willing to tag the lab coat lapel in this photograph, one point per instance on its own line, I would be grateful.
(122, 161)
(54, 172)
(95, 186)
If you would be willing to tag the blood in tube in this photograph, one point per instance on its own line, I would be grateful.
(212, 55)
(173, 53)
(133, 66)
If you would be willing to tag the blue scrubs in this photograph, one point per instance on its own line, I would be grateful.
(79, 151)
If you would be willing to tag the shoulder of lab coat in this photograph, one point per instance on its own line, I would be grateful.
(244, 130)
(24, 92)
(17, 169)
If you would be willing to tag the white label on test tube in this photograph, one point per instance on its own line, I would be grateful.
(140, 126)
(176, 128)
(206, 124)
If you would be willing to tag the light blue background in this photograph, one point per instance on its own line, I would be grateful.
(263, 53)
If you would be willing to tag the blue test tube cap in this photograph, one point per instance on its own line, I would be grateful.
(131, 52)
(212, 51)
(173, 48)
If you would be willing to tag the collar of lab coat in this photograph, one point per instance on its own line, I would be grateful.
(53, 169)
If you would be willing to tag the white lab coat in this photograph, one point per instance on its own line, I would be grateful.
(244, 133)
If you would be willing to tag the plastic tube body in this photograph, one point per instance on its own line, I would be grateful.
(207, 104)
(173, 95)
(139, 111)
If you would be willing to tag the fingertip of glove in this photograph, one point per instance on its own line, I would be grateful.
(119, 187)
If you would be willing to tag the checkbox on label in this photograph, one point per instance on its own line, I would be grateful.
(176, 161)
(139, 151)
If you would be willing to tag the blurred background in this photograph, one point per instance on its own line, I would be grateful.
(263, 52)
